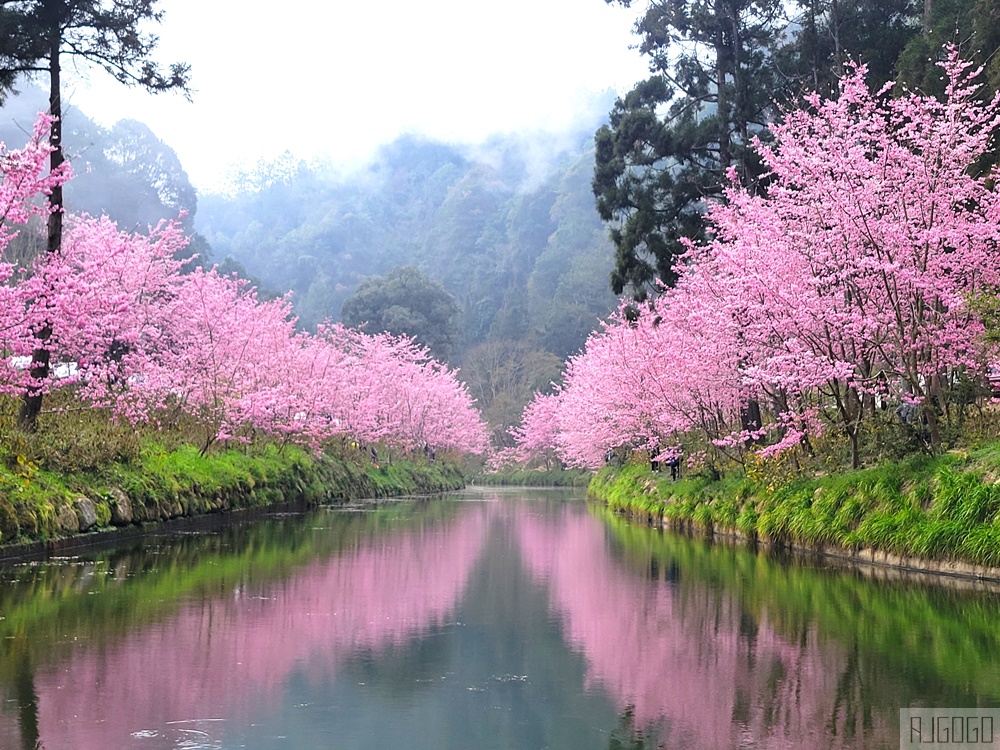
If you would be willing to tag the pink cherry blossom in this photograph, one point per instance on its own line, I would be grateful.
(134, 334)
(845, 287)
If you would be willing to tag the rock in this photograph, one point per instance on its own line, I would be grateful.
(141, 513)
(85, 512)
(27, 520)
(121, 507)
(9, 526)
(67, 521)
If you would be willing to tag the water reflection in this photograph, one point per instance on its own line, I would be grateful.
(503, 622)
(690, 662)
(225, 656)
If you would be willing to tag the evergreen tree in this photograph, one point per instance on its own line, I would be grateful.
(972, 25)
(106, 33)
(406, 302)
(826, 34)
(674, 137)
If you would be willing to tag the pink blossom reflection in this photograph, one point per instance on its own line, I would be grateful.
(685, 658)
(227, 658)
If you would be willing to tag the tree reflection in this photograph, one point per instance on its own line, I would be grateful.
(25, 695)
(691, 658)
(627, 736)
(229, 650)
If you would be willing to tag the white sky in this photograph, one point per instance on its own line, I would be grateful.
(339, 78)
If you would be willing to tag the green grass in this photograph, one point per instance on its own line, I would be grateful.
(536, 478)
(36, 503)
(936, 507)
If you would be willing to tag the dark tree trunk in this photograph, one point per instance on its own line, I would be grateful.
(25, 695)
(722, 102)
(750, 418)
(31, 405)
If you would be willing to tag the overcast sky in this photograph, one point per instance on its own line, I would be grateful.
(339, 78)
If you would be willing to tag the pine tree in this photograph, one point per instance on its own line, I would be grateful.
(672, 138)
(105, 33)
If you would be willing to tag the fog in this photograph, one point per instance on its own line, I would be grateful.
(332, 144)
(334, 82)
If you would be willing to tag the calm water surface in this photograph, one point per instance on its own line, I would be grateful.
(520, 620)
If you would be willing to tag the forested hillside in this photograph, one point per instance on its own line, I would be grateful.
(125, 172)
(517, 242)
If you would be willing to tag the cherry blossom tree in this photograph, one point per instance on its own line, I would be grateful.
(224, 357)
(649, 375)
(24, 177)
(150, 344)
(396, 394)
(853, 273)
(536, 437)
(106, 297)
(845, 286)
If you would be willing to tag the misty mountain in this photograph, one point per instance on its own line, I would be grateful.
(124, 171)
(508, 226)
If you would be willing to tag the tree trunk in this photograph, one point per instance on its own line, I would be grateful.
(835, 21)
(722, 94)
(814, 46)
(26, 697)
(852, 436)
(933, 425)
(31, 405)
(750, 419)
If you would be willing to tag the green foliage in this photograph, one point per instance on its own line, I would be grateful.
(875, 32)
(78, 439)
(532, 478)
(406, 302)
(933, 507)
(717, 71)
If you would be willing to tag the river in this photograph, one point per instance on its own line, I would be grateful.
(512, 619)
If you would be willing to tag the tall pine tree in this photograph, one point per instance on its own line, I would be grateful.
(672, 139)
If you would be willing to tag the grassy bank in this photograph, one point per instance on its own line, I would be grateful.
(159, 483)
(935, 508)
(535, 478)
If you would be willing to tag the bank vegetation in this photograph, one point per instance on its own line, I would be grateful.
(940, 512)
